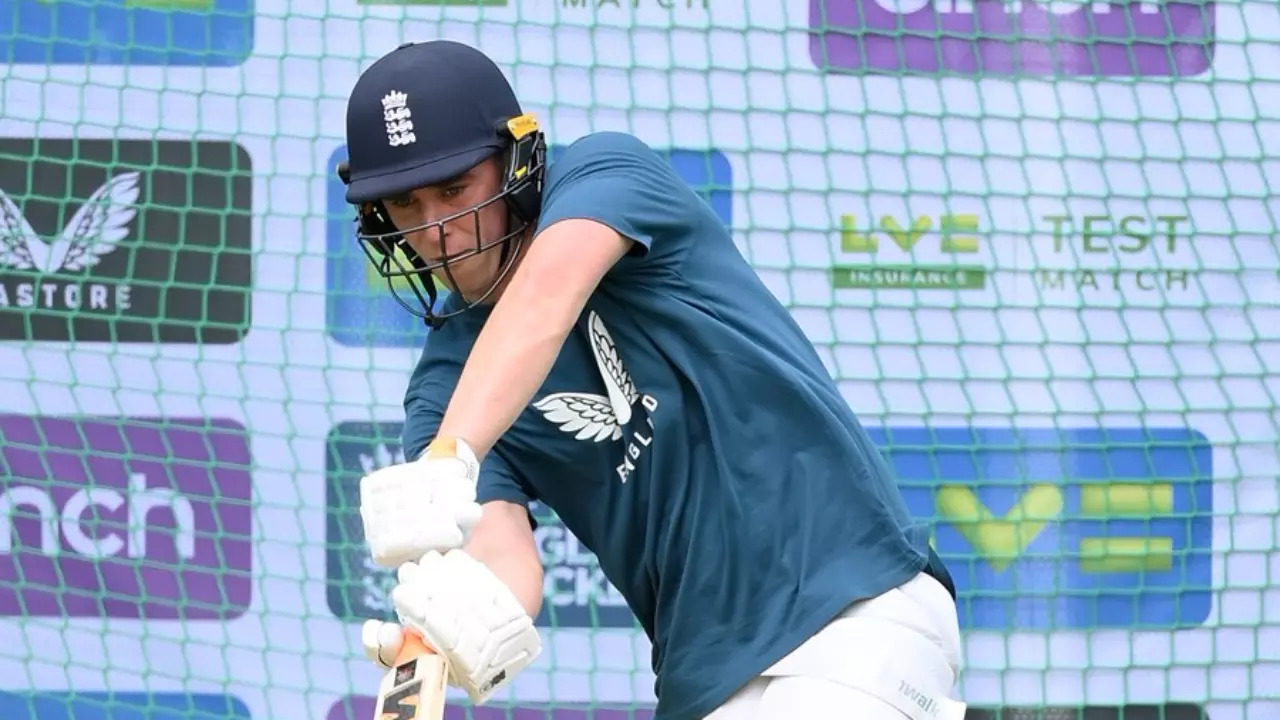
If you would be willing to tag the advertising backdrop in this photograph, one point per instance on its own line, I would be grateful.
(1035, 242)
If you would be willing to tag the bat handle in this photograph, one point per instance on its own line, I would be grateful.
(412, 647)
(416, 685)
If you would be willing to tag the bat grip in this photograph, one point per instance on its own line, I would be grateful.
(412, 647)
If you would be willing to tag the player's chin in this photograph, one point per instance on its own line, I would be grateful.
(473, 292)
(476, 279)
(442, 281)
(456, 281)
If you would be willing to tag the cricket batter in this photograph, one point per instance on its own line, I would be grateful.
(606, 350)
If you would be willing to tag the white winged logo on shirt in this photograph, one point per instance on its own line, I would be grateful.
(589, 416)
(94, 231)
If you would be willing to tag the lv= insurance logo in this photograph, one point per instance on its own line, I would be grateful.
(1071, 529)
(1002, 540)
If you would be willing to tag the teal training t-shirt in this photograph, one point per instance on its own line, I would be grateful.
(690, 436)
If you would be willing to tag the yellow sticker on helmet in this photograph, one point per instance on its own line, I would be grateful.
(522, 125)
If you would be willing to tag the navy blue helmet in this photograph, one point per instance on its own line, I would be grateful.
(422, 114)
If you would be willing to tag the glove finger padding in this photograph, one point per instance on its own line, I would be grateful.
(467, 614)
(408, 509)
(382, 642)
(427, 504)
(399, 535)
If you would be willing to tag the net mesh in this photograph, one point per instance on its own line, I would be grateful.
(1035, 243)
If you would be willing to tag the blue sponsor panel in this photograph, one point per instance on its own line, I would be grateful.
(1065, 529)
(200, 33)
(76, 705)
(362, 312)
(576, 592)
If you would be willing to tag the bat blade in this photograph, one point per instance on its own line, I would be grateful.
(414, 688)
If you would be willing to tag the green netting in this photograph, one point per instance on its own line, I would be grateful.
(1035, 243)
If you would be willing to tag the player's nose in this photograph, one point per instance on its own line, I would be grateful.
(431, 210)
(429, 237)
(427, 243)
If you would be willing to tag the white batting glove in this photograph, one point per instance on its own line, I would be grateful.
(465, 613)
(382, 641)
(426, 504)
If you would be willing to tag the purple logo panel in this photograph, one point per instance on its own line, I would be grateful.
(361, 707)
(1020, 37)
(124, 518)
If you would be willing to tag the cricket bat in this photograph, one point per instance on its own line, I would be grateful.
(414, 688)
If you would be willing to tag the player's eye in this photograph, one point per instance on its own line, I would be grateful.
(402, 201)
(453, 191)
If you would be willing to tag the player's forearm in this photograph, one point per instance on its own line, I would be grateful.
(503, 542)
(513, 354)
(520, 343)
(515, 570)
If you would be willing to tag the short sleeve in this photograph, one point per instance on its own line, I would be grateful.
(429, 390)
(619, 181)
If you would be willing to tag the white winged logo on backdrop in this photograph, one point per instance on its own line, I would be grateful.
(590, 416)
(94, 231)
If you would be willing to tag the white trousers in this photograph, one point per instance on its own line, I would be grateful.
(892, 657)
